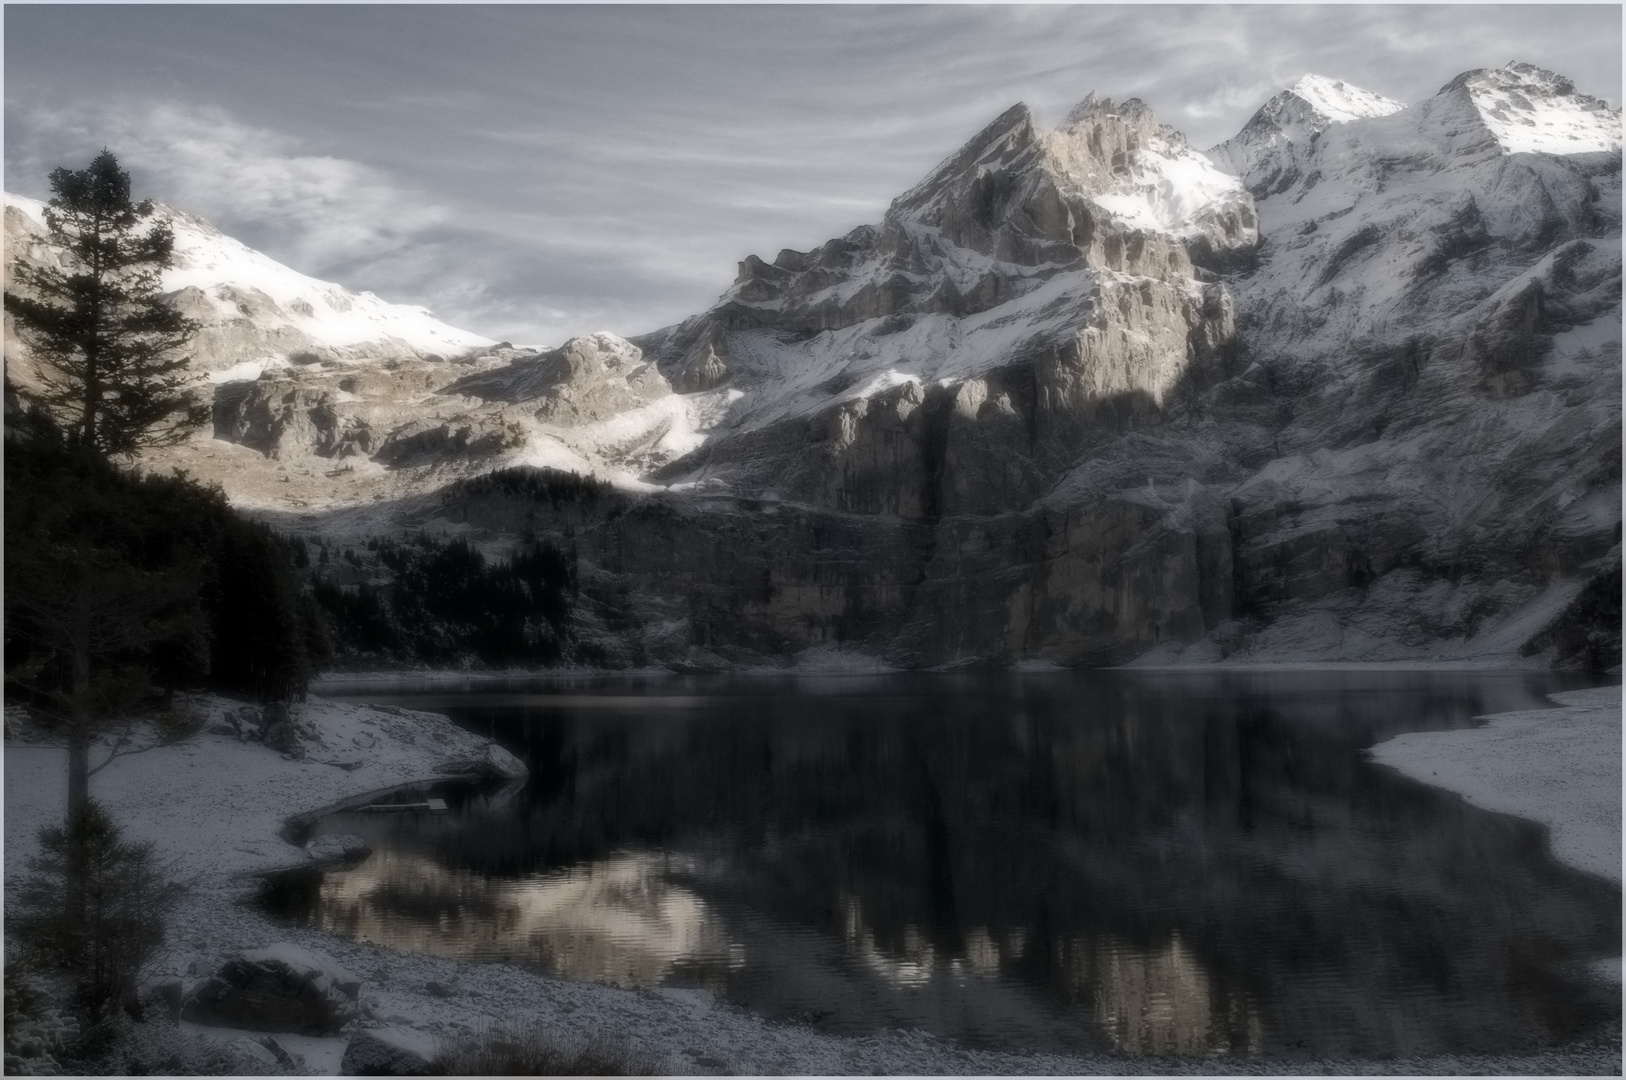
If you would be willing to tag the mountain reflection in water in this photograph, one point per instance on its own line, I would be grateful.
(621, 920)
(1150, 864)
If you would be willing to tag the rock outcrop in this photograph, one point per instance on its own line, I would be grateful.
(337, 849)
(283, 987)
(584, 380)
(494, 765)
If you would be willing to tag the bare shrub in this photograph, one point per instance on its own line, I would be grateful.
(178, 721)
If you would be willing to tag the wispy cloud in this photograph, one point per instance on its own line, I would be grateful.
(320, 212)
(326, 216)
(534, 171)
(1227, 99)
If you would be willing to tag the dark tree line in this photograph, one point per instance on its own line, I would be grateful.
(211, 599)
(552, 486)
(119, 588)
(446, 603)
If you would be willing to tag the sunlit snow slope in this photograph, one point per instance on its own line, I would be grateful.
(324, 397)
(257, 312)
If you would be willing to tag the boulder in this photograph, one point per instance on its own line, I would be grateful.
(494, 764)
(390, 1051)
(247, 721)
(283, 738)
(338, 848)
(284, 987)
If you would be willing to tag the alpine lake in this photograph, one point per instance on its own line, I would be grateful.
(1143, 862)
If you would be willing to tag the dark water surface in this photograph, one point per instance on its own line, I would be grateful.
(1146, 862)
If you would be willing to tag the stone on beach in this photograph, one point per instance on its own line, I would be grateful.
(390, 1052)
(494, 764)
(338, 848)
(284, 987)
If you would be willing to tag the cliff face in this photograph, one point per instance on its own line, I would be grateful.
(910, 393)
(1347, 387)
(1064, 405)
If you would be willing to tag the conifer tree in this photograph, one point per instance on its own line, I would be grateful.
(112, 373)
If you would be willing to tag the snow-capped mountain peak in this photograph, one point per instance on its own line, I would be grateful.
(1265, 153)
(256, 312)
(1530, 110)
(1339, 102)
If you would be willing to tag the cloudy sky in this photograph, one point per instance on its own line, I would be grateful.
(529, 172)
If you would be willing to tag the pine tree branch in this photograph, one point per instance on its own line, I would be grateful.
(117, 750)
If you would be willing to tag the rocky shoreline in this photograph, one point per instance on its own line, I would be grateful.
(219, 805)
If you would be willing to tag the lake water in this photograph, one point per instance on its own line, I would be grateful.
(1144, 862)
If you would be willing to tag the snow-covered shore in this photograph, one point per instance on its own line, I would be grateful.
(1560, 767)
(217, 807)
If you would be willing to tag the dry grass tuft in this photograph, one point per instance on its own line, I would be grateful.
(536, 1051)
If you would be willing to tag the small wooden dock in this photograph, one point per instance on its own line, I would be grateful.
(427, 806)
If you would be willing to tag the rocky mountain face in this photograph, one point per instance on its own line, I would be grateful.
(1345, 387)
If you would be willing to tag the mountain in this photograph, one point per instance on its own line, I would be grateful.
(1076, 399)
(1346, 387)
(1266, 152)
(1437, 307)
(325, 397)
(1051, 275)
(258, 314)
